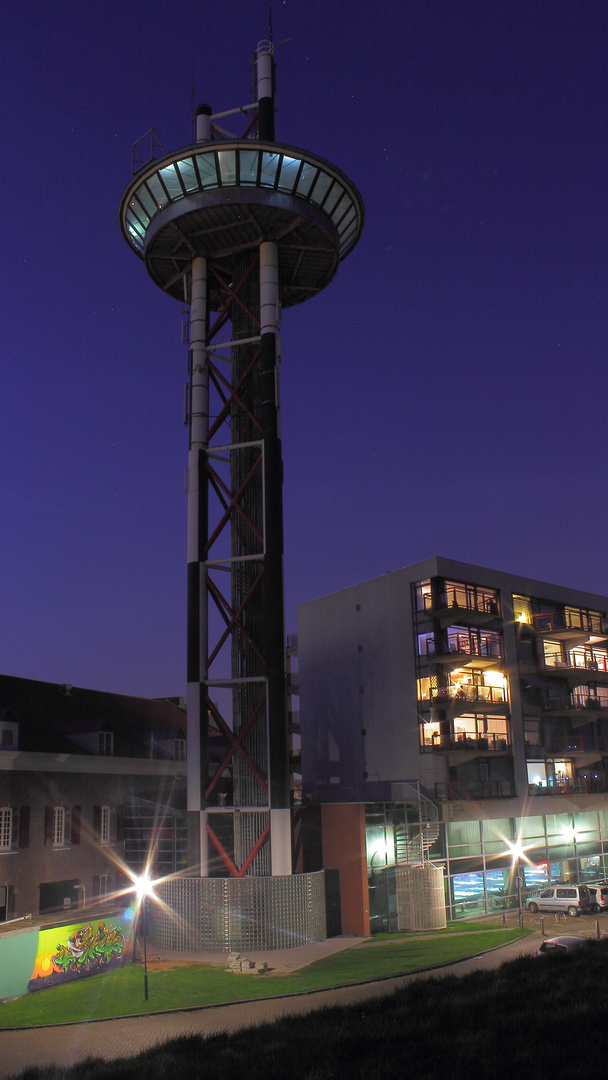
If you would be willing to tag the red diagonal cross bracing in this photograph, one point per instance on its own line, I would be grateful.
(231, 502)
(232, 618)
(236, 744)
(232, 397)
(232, 870)
(231, 294)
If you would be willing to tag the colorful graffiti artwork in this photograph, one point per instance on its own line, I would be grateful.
(88, 949)
(84, 949)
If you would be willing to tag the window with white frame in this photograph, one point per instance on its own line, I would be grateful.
(58, 833)
(104, 824)
(180, 749)
(6, 827)
(9, 735)
(105, 743)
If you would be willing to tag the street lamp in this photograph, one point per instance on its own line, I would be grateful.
(143, 889)
(516, 851)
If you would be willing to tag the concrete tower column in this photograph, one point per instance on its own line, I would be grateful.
(265, 91)
(274, 650)
(197, 532)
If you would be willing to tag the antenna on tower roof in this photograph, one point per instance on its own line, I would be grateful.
(192, 110)
(270, 23)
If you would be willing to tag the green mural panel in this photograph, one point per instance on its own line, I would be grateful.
(17, 958)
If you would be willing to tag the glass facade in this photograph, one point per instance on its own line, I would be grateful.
(480, 869)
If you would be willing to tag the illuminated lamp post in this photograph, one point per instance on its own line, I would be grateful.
(143, 889)
(516, 851)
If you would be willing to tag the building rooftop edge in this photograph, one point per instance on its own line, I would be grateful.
(439, 565)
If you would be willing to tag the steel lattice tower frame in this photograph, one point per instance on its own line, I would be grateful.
(238, 228)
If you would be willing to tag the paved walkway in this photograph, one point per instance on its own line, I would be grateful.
(113, 1039)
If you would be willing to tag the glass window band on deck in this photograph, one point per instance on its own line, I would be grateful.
(243, 166)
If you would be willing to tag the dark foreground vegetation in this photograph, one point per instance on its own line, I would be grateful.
(539, 1018)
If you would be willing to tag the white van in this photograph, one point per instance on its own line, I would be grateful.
(599, 895)
(573, 899)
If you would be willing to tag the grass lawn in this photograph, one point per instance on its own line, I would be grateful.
(540, 1018)
(120, 992)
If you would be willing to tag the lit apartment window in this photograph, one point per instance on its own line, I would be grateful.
(522, 609)
(180, 749)
(104, 824)
(58, 833)
(105, 743)
(6, 827)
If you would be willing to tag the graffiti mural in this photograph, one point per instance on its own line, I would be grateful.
(71, 952)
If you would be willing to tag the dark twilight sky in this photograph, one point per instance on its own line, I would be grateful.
(446, 394)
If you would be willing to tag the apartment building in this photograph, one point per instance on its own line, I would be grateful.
(485, 692)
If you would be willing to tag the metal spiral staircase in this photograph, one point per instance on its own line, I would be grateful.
(415, 838)
(419, 886)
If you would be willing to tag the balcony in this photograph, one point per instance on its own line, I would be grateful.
(474, 789)
(462, 604)
(571, 625)
(490, 742)
(580, 785)
(577, 669)
(566, 746)
(456, 700)
(466, 650)
(581, 708)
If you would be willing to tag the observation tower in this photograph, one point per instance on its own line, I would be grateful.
(236, 228)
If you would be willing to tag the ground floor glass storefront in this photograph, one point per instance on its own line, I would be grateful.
(482, 859)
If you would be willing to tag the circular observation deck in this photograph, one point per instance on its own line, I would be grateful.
(221, 199)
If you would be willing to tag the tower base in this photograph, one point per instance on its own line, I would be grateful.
(237, 914)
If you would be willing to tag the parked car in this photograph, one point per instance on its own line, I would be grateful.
(599, 895)
(559, 945)
(573, 899)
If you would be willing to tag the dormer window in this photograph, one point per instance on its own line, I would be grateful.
(9, 735)
(105, 743)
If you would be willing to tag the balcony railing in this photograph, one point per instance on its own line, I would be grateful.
(474, 789)
(570, 620)
(492, 695)
(465, 600)
(574, 662)
(579, 785)
(462, 643)
(490, 741)
(574, 703)
(565, 744)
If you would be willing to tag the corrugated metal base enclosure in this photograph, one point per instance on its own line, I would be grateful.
(420, 897)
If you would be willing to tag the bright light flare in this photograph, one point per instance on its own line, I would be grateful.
(569, 834)
(144, 886)
(517, 851)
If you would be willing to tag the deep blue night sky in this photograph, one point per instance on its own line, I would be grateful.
(445, 395)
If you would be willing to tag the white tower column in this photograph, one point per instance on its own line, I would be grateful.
(278, 749)
(197, 520)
